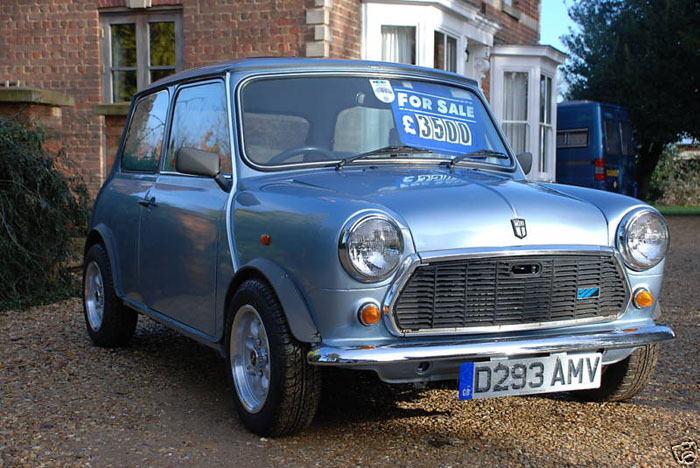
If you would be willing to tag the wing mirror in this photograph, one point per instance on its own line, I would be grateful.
(201, 163)
(525, 161)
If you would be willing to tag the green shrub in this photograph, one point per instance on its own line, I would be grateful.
(41, 209)
(675, 181)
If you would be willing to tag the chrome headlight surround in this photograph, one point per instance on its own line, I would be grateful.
(638, 227)
(347, 246)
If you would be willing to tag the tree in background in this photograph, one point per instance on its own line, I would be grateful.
(645, 55)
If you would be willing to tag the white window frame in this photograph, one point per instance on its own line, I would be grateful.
(141, 20)
(448, 34)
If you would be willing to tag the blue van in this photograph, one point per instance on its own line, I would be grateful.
(595, 146)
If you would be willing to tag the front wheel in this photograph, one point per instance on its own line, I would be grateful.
(623, 380)
(276, 390)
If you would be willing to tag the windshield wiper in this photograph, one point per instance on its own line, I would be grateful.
(391, 150)
(477, 154)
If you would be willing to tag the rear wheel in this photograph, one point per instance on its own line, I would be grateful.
(623, 380)
(276, 391)
(109, 322)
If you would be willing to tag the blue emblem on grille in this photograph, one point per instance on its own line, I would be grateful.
(587, 293)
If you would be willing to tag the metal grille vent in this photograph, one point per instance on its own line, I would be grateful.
(533, 289)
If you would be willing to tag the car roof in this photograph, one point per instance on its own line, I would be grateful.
(289, 64)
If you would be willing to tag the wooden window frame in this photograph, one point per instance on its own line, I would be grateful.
(143, 56)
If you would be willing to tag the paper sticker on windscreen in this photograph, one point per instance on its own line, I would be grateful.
(430, 116)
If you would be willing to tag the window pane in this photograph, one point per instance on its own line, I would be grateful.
(123, 85)
(517, 135)
(144, 139)
(267, 135)
(200, 121)
(561, 140)
(543, 99)
(612, 137)
(451, 54)
(439, 51)
(162, 37)
(158, 74)
(359, 129)
(123, 45)
(578, 139)
(627, 141)
(515, 89)
(549, 101)
(399, 44)
(544, 147)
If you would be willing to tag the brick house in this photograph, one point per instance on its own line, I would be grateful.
(71, 64)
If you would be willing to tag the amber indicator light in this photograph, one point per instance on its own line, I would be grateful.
(643, 299)
(265, 239)
(369, 314)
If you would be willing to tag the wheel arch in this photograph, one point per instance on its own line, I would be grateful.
(294, 306)
(100, 235)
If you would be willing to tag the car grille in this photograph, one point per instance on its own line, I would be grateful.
(503, 291)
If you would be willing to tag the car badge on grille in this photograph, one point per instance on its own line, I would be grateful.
(587, 293)
(519, 228)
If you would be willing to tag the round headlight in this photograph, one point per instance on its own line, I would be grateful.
(370, 248)
(642, 239)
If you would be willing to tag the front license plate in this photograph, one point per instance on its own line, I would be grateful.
(555, 373)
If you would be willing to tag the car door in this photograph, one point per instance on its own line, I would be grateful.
(126, 189)
(184, 229)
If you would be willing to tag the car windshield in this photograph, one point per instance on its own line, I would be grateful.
(333, 119)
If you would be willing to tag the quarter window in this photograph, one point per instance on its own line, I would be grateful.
(144, 140)
(200, 121)
(138, 49)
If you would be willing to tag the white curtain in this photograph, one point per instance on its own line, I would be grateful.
(515, 109)
(399, 44)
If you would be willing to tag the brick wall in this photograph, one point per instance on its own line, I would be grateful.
(55, 46)
(346, 29)
(219, 30)
(513, 30)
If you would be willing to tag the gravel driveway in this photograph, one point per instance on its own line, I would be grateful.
(164, 401)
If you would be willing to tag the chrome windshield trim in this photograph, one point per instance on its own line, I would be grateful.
(412, 262)
(484, 348)
(363, 74)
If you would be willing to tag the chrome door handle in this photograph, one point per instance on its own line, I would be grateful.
(148, 202)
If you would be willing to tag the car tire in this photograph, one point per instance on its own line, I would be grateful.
(276, 391)
(109, 322)
(623, 380)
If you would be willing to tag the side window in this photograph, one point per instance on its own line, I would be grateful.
(144, 140)
(200, 121)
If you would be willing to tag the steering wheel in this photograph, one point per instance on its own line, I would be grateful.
(291, 152)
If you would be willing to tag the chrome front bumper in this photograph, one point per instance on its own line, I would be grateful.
(470, 349)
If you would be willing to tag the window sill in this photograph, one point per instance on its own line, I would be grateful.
(120, 109)
(512, 11)
(36, 96)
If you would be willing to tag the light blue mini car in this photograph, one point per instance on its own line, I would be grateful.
(296, 214)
